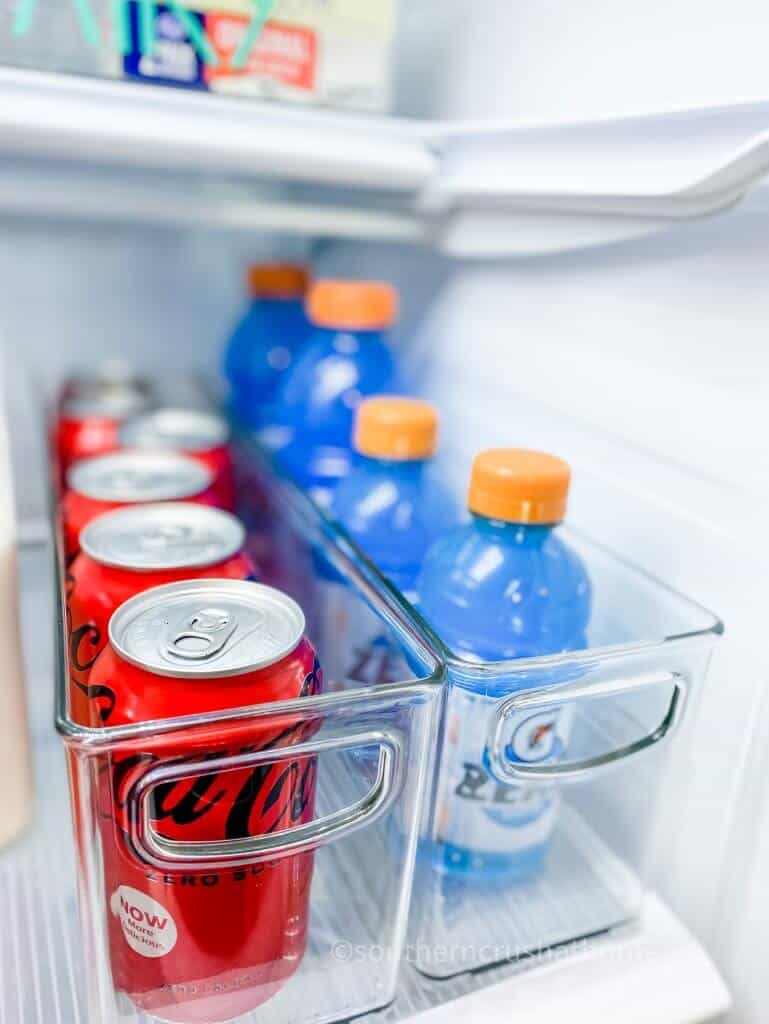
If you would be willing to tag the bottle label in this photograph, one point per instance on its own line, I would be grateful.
(358, 648)
(147, 926)
(160, 46)
(303, 51)
(479, 815)
(284, 53)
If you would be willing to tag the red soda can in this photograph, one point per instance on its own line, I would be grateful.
(126, 552)
(89, 420)
(200, 434)
(110, 375)
(107, 482)
(208, 944)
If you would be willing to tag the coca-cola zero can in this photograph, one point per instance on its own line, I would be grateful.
(125, 552)
(107, 482)
(211, 943)
(200, 434)
(104, 376)
(88, 422)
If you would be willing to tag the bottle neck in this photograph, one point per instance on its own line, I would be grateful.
(522, 535)
(272, 301)
(347, 342)
(412, 470)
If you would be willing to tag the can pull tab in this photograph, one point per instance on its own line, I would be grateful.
(165, 536)
(202, 635)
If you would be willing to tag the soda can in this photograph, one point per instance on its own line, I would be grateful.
(107, 482)
(110, 375)
(200, 434)
(125, 552)
(89, 420)
(210, 944)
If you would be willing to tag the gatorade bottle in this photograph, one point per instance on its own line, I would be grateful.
(504, 586)
(346, 359)
(265, 342)
(390, 504)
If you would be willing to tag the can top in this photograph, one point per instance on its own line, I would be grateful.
(173, 535)
(111, 401)
(139, 476)
(107, 374)
(206, 629)
(184, 430)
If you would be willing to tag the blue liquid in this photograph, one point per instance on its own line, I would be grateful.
(260, 353)
(317, 401)
(495, 591)
(318, 468)
(505, 590)
(394, 511)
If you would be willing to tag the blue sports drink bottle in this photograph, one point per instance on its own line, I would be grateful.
(505, 586)
(265, 343)
(346, 359)
(394, 508)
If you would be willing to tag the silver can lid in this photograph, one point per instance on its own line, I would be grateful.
(175, 535)
(206, 629)
(187, 430)
(106, 374)
(114, 402)
(139, 476)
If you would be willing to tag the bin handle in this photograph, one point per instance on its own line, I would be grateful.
(507, 770)
(166, 853)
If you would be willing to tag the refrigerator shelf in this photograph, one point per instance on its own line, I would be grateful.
(586, 891)
(43, 967)
(101, 150)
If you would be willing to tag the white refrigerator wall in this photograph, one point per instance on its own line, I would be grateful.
(551, 60)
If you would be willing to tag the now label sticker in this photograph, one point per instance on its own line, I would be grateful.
(148, 927)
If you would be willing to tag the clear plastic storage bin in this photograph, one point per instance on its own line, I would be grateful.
(304, 922)
(561, 841)
(521, 854)
(407, 826)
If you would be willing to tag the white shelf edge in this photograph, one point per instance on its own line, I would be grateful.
(123, 123)
(486, 189)
(110, 200)
(656, 972)
(668, 156)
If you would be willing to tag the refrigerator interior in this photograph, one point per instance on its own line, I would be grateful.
(643, 362)
(599, 353)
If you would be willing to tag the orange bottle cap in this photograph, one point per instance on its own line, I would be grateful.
(390, 427)
(352, 305)
(519, 486)
(278, 280)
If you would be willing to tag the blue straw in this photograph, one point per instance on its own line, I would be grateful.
(260, 16)
(88, 24)
(120, 18)
(196, 33)
(25, 12)
(147, 13)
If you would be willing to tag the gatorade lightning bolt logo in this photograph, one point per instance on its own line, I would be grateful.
(535, 738)
(536, 743)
